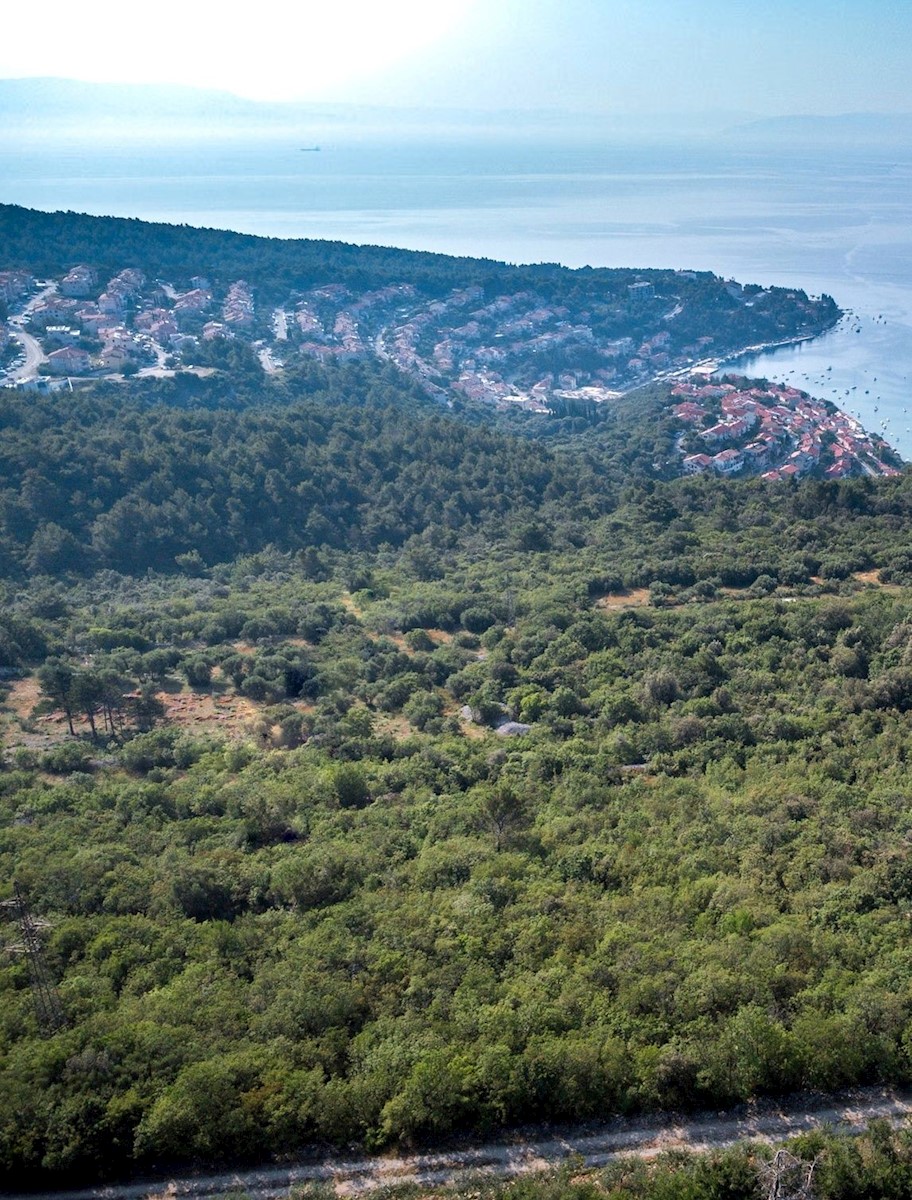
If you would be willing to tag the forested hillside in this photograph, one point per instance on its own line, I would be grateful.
(353, 458)
(46, 243)
(372, 917)
(360, 461)
(378, 772)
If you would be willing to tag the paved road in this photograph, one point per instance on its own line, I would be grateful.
(159, 371)
(268, 361)
(34, 355)
(592, 1147)
(280, 324)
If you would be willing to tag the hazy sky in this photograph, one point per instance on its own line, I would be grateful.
(620, 56)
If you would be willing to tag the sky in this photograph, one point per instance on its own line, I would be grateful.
(769, 57)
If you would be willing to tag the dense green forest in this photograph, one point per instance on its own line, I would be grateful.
(353, 458)
(52, 242)
(361, 461)
(371, 921)
(558, 790)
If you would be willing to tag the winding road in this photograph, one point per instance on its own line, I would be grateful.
(34, 355)
(592, 1147)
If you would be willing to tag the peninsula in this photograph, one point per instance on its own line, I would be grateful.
(92, 298)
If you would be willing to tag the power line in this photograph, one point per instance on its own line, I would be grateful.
(48, 1009)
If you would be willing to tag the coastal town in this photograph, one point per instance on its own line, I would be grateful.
(518, 350)
(82, 327)
(771, 430)
(513, 350)
(527, 349)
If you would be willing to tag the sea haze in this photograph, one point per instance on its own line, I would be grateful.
(826, 214)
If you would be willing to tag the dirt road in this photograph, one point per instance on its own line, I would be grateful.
(594, 1146)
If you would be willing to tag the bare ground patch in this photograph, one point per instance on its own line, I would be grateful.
(23, 696)
(632, 598)
(872, 579)
(398, 639)
(203, 712)
(209, 711)
(19, 729)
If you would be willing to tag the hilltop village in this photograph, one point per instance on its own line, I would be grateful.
(772, 430)
(514, 350)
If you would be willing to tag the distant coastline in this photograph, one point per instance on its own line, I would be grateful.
(545, 338)
(732, 361)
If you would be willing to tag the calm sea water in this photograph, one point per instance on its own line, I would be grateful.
(828, 220)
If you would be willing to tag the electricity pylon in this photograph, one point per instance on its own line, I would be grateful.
(48, 1009)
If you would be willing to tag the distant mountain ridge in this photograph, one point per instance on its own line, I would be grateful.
(829, 128)
(59, 98)
(59, 101)
(56, 101)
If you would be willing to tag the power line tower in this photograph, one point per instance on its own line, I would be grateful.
(48, 1009)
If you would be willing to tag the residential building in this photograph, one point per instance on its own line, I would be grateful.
(69, 360)
(79, 282)
(696, 464)
(727, 462)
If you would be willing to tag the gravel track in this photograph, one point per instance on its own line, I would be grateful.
(590, 1146)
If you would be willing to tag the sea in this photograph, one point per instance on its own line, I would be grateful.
(833, 217)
